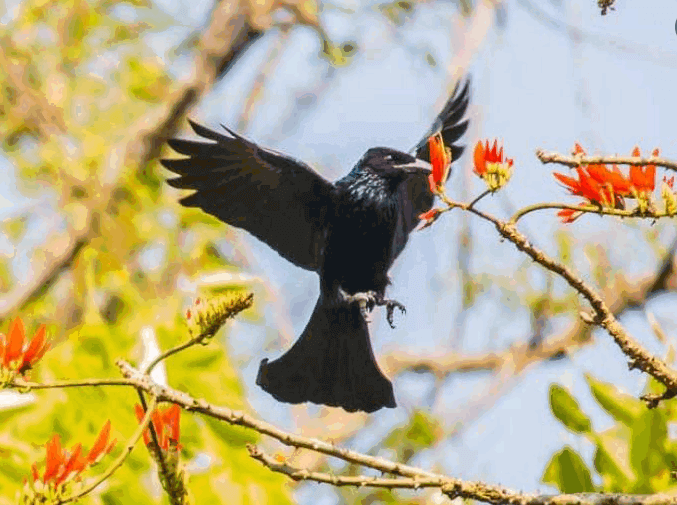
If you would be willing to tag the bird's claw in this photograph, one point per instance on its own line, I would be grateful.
(370, 299)
(391, 305)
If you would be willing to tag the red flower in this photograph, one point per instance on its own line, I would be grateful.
(429, 217)
(578, 149)
(36, 350)
(17, 358)
(608, 188)
(601, 174)
(62, 466)
(491, 166)
(643, 177)
(101, 447)
(598, 189)
(166, 424)
(568, 215)
(440, 159)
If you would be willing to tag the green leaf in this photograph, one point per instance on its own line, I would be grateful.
(623, 408)
(609, 464)
(565, 408)
(568, 472)
(147, 80)
(648, 447)
(421, 432)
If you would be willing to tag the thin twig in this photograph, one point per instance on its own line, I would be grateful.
(590, 209)
(26, 385)
(577, 161)
(172, 351)
(477, 200)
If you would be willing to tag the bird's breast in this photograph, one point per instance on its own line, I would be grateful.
(359, 248)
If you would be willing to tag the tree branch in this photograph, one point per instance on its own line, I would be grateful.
(456, 488)
(577, 161)
(639, 356)
(621, 294)
(413, 478)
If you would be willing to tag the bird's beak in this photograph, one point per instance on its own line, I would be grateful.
(415, 166)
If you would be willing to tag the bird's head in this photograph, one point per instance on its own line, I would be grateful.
(392, 164)
(385, 173)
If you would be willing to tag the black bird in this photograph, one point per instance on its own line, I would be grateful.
(349, 232)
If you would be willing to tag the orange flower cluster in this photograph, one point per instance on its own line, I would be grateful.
(63, 467)
(440, 159)
(16, 355)
(166, 424)
(608, 188)
(491, 166)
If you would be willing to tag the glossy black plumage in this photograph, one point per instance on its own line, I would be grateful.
(350, 232)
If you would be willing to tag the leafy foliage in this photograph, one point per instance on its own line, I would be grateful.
(635, 455)
(80, 87)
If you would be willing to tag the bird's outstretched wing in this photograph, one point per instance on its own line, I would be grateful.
(279, 200)
(414, 195)
(449, 123)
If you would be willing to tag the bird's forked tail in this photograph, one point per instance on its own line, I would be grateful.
(332, 363)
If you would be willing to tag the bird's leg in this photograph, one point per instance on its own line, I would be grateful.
(370, 299)
(366, 301)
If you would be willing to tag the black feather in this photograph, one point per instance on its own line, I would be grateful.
(449, 123)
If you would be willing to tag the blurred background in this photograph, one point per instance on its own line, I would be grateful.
(496, 377)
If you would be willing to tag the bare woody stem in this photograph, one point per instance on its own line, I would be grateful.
(639, 356)
(172, 351)
(22, 384)
(455, 488)
(409, 477)
(240, 418)
(592, 209)
(577, 161)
